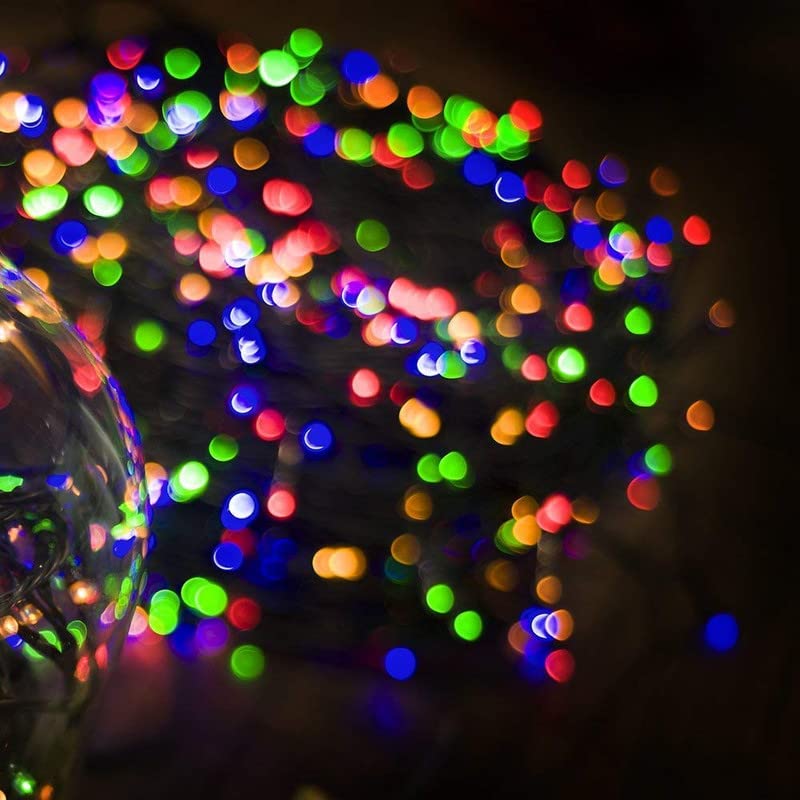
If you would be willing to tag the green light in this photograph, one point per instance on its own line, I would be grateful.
(136, 163)
(404, 140)
(210, 599)
(452, 365)
(166, 599)
(305, 43)
(149, 336)
(457, 110)
(223, 448)
(307, 89)
(643, 391)
(428, 468)
(23, 783)
(10, 482)
(509, 135)
(634, 267)
(195, 100)
(52, 639)
(181, 63)
(440, 598)
(241, 84)
(567, 364)
(453, 466)
(372, 235)
(192, 477)
(102, 201)
(160, 137)
(547, 226)
(190, 589)
(78, 630)
(658, 459)
(355, 144)
(449, 142)
(247, 662)
(513, 356)
(106, 271)
(162, 621)
(45, 202)
(277, 68)
(468, 625)
(638, 321)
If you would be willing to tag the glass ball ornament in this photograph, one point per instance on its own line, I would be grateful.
(73, 533)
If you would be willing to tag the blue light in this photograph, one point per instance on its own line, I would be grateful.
(240, 312)
(250, 344)
(320, 142)
(316, 438)
(400, 663)
(3, 64)
(479, 169)
(359, 66)
(473, 352)
(108, 87)
(149, 79)
(228, 556)
(586, 235)
(68, 235)
(122, 547)
(239, 510)
(243, 401)
(350, 293)
(404, 331)
(612, 171)
(659, 230)
(721, 632)
(221, 181)
(202, 333)
(509, 187)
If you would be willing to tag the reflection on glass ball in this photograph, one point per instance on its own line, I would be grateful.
(73, 530)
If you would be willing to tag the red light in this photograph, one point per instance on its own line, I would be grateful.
(542, 420)
(125, 53)
(560, 665)
(201, 157)
(696, 230)
(285, 197)
(244, 613)
(578, 317)
(269, 425)
(644, 493)
(534, 368)
(244, 539)
(300, 121)
(576, 174)
(526, 115)
(555, 512)
(281, 503)
(365, 384)
(557, 198)
(417, 174)
(602, 393)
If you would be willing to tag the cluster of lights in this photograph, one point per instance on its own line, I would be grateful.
(246, 237)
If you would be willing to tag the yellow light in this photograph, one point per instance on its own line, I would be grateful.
(464, 325)
(406, 549)
(348, 563)
(548, 589)
(38, 277)
(502, 575)
(417, 505)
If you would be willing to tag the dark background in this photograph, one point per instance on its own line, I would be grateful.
(710, 90)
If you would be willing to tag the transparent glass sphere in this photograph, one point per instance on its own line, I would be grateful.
(73, 530)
